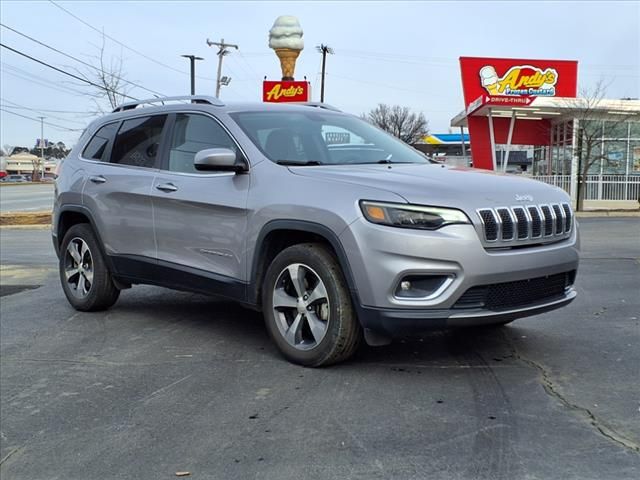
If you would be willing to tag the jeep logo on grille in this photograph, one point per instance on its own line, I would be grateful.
(524, 198)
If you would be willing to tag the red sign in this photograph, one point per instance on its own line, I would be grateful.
(285, 91)
(502, 79)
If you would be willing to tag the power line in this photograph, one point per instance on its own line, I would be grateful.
(44, 110)
(18, 106)
(123, 44)
(54, 125)
(78, 60)
(66, 73)
(32, 78)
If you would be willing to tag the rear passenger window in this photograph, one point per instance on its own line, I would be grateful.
(97, 147)
(138, 141)
(191, 134)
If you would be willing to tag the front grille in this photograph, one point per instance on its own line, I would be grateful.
(507, 226)
(516, 294)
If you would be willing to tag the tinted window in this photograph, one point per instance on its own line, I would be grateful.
(97, 146)
(138, 141)
(191, 134)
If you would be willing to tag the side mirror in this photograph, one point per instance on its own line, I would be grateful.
(220, 159)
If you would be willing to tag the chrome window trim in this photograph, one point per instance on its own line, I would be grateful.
(140, 114)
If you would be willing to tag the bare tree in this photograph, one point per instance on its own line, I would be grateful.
(399, 121)
(594, 125)
(108, 74)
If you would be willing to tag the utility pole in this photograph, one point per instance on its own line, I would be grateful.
(222, 51)
(41, 145)
(192, 60)
(323, 49)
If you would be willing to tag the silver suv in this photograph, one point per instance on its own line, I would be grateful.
(335, 230)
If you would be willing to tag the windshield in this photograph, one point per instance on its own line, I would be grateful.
(322, 138)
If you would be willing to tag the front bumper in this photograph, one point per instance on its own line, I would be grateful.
(380, 257)
(400, 322)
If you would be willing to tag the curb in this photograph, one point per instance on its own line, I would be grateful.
(25, 218)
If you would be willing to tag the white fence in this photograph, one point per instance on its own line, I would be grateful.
(600, 187)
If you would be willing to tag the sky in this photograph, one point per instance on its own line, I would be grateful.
(404, 53)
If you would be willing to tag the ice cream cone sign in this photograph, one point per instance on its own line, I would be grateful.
(285, 37)
(489, 79)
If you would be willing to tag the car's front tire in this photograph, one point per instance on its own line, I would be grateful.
(84, 275)
(307, 307)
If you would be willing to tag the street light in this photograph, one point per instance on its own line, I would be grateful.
(192, 61)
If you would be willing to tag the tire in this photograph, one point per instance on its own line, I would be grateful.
(328, 330)
(87, 284)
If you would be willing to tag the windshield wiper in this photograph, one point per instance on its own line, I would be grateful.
(293, 163)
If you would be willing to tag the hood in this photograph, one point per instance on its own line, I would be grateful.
(441, 185)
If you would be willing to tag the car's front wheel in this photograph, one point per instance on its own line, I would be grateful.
(84, 275)
(307, 307)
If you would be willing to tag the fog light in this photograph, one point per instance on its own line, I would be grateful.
(422, 286)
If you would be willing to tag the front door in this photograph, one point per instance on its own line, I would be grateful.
(200, 217)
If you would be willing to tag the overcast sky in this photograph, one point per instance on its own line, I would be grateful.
(402, 53)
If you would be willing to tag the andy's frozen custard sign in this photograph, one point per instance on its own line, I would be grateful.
(516, 81)
(520, 80)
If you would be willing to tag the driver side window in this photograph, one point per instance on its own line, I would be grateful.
(192, 133)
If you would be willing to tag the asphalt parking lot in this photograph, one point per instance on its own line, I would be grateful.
(170, 382)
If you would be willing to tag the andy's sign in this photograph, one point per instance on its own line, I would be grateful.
(520, 80)
(517, 78)
(285, 91)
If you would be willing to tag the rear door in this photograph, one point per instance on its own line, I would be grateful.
(122, 160)
(200, 217)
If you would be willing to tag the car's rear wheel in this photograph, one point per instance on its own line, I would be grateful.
(307, 307)
(84, 275)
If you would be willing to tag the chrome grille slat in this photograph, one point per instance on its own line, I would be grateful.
(567, 217)
(559, 214)
(547, 220)
(536, 221)
(519, 224)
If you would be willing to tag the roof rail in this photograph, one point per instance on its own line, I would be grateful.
(193, 98)
(326, 106)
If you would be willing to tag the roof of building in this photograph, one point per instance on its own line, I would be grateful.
(445, 139)
(537, 108)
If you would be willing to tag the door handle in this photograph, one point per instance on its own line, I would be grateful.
(97, 179)
(167, 187)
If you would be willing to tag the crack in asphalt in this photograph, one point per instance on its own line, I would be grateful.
(549, 388)
(8, 455)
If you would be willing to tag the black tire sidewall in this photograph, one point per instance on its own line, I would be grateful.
(327, 268)
(102, 293)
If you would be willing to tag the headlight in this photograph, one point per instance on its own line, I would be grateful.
(411, 216)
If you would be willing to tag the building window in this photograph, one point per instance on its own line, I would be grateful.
(615, 157)
(616, 129)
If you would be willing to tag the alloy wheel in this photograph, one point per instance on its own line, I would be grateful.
(78, 267)
(301, 306)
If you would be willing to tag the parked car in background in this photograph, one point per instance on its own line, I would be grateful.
(334, 243)
(15, 179)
